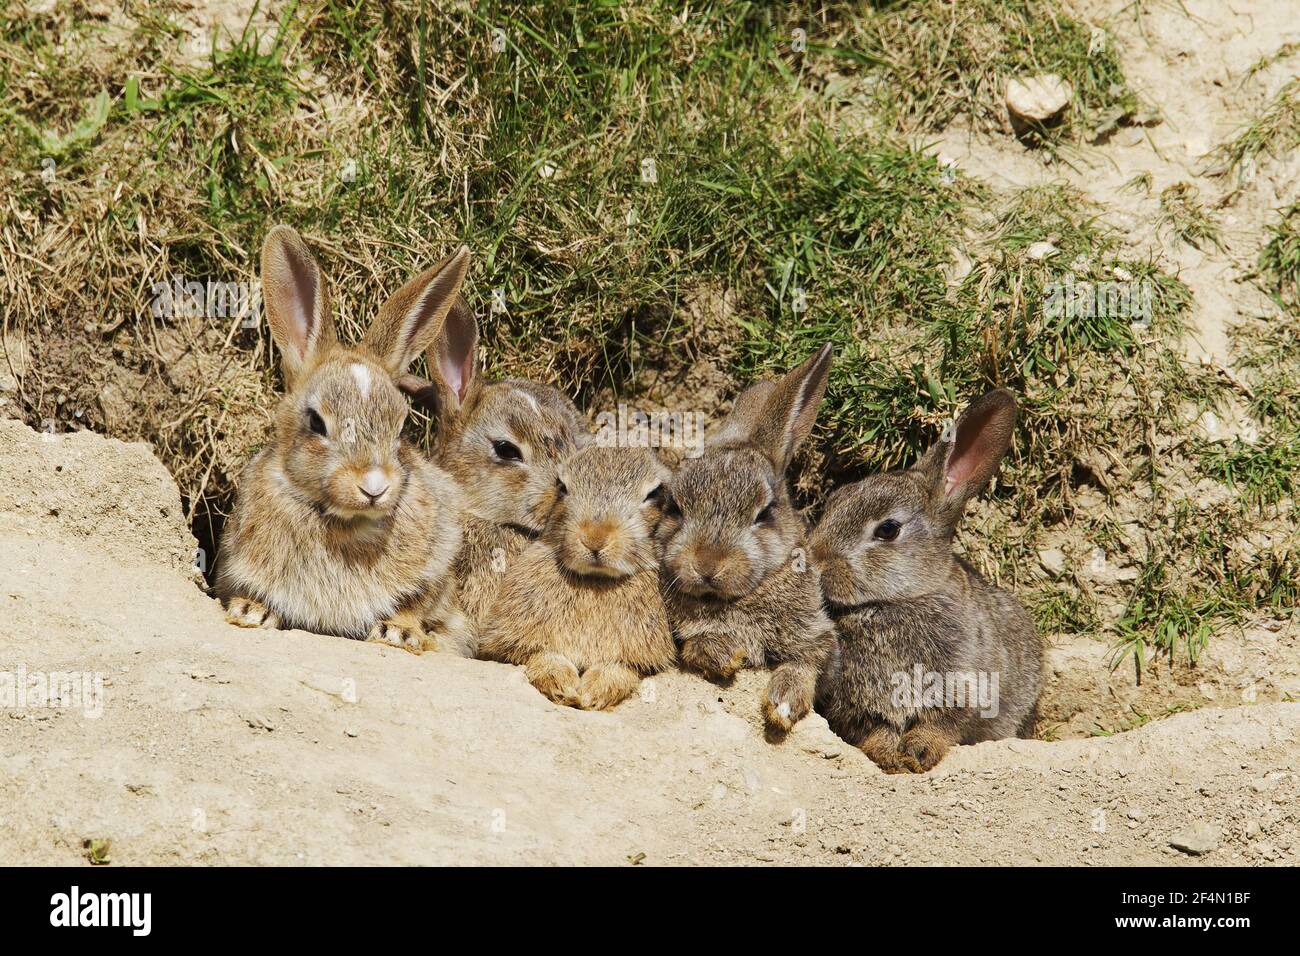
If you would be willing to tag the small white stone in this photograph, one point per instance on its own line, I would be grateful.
(1038, 99)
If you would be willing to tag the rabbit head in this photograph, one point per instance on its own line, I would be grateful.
(889, 537)
(338, 426)
(608, 502)
(501, 440)
(728, 520)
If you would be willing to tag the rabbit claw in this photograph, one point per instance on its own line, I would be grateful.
(245, 612)
(400, 633)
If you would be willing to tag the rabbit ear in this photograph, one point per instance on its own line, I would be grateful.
(745, 413)
(453, 365)
(967, 454)
(414, 315)
(293, 294)
(789, 409)
(453, 357)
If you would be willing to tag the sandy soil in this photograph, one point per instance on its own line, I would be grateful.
(218, 745)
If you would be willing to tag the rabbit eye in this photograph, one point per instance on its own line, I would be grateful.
(507, 450)
(560, 489)
(887, 530)
(766, 515)
(670, 507)
(315, 422)
(656, 495)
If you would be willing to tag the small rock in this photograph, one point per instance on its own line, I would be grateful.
(1038, 99)
(1135, 813)
(350, 732)
(1040, 250)
(1053, 561)
(1198, 839)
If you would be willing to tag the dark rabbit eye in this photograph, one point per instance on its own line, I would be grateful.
(887, 530)
(560, 489)
(764, 516)
(656, 495)
(507, 450)
(315, 422)
(670, 507)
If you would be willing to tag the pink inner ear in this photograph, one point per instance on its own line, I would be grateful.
(453, 374)
(973, 454)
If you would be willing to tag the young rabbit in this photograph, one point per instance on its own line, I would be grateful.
(341, 527)
(580, 608)
(502, 442)
(738, 588)
(905, 606)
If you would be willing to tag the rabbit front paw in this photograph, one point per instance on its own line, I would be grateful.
(789, 697)
(925, 745)
(555, 676)
(604, 685)
(401, 631)
(245, 612)
(882, 746)
(715, 655)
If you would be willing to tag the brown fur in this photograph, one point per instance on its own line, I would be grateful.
(506, 500)
(580, 607)
(736, 581)
(350, 531)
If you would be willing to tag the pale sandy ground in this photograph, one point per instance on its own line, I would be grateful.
(219, 745)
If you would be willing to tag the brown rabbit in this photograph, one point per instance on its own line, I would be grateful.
(580, 608)
(341, 527)
(928, 654)
(738, 588)
(502, 442)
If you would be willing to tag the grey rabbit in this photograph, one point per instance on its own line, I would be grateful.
(739, 590)
(928, 653)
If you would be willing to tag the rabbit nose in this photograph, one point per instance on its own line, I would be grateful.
(708, 564)
(374, 484)
(594, 537)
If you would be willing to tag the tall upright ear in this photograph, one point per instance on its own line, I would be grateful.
(453, 365)
(453, 357)
(746, 411)
(790, 409)
(966, 456)
(414, 315)
(294, 297)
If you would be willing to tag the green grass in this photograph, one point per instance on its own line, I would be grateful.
(1274, 131)
(1184, 216)
(1264, 472)
(1279, 260)
(779, 172)
(932, 61)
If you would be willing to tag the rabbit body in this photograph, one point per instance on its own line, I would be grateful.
(580, 607)
(736, 581)
(928, 654)
(340, 526)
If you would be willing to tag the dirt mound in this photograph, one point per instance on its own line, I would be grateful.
(208, 744)
(109, 494)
